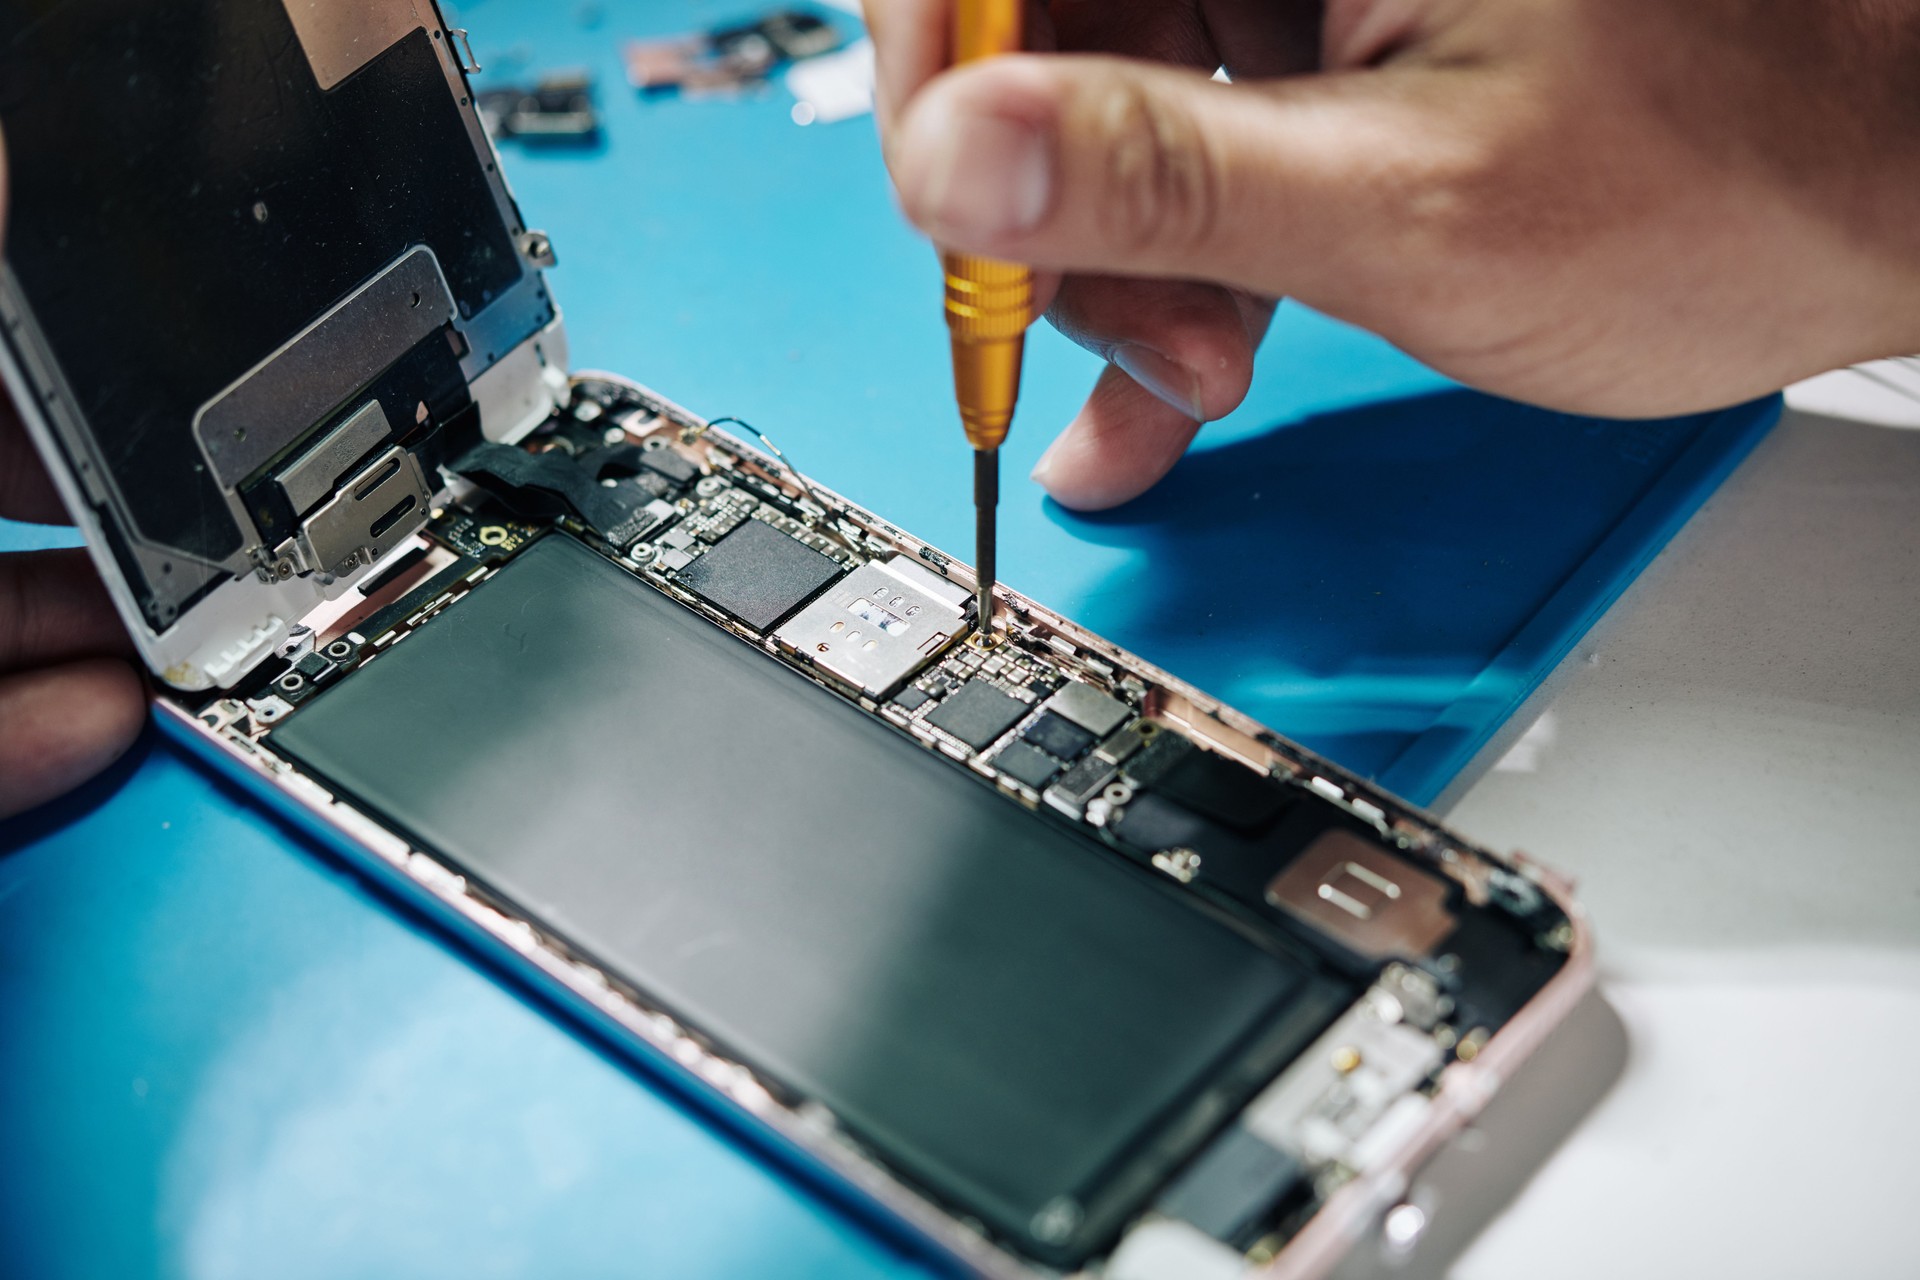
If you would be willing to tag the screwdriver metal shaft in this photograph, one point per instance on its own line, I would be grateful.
(986, 497)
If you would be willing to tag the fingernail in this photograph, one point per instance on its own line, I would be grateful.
(1168, 379)
(988, 176)
(1043, 468)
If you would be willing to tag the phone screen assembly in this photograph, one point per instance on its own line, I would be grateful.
(1048, 958)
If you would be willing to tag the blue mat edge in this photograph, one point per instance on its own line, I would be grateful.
(1432, 762)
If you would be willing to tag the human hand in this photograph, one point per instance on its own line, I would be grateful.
(1623, 207)
(70, 704)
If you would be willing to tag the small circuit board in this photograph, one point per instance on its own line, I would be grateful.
(1441, 943)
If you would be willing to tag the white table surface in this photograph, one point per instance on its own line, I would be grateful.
(1730, 765)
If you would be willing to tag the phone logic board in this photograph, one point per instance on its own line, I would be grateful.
(1294, 1003)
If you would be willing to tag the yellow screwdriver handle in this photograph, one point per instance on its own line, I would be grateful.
(983, 28)
(989, 308)
(989, 303)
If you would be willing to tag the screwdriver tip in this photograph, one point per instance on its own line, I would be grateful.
(986, 498)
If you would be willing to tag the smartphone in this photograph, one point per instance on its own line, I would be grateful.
(1040, 957)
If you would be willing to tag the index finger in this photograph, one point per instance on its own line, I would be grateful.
(25, 491)
(910, 47)
(913, 43)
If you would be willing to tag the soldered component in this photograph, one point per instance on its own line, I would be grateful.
(1088, 707)
(878, 626)
(299, 681)
(1026, 764)
(1344, 1100)
(487, 537)
(1080, 784)
(977, 714)
(1122, 745)
(758, 574)
(1376, 904)
(1058, 736)
(1231, 1184)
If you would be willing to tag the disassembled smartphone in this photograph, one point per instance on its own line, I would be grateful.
(1039, 955)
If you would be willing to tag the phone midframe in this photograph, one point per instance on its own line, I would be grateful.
(235, 732)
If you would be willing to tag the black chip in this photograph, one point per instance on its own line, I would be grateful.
(1058, 736)
(1225, 1191)
(658, 486)
(758, 574)
(394, 570)
(912, 698)
(312, 666)
(1079, 783)
(378, 624)
(1212, 785)
(671, 465)
(1153, 822)
(977, 714)
(1026, 764)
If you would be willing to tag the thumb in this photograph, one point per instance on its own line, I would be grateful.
(1094, 164)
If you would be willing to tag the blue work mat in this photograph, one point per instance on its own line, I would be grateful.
(223, 1056)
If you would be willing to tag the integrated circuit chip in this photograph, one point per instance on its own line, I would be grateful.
(669, 465)
(1220, 790)
(758, 574)
(879, 625)
(1085, 705)
(1026, 764)
(1058, 736)
(977, 714)
(1227, 1188)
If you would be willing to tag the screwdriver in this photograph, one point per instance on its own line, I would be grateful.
(989, 307)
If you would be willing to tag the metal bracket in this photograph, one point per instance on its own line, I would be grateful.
(274, 404)
(468, 63)
(374, 513)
